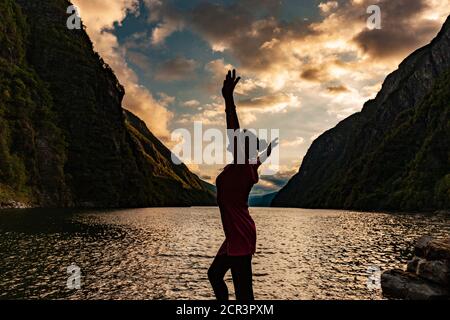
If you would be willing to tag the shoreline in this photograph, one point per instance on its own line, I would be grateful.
(425, 277)
(12, 205)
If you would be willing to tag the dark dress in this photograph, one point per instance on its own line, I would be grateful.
(233, 188)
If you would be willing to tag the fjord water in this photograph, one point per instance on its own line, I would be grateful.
(164, 253)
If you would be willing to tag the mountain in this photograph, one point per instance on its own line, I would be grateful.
(394, 154)
(65, 140)
(155, 162)
(261, 201)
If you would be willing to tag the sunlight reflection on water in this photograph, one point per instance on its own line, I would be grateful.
(164, 253)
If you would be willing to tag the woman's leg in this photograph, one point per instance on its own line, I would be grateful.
(216, 274)
(241, 270)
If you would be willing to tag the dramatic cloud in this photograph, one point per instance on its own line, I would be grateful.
(164, 30)
(299, 75)
(175, 69)
(337, 89)
(404, 28)
(191, 104)
(326, 7)
(314, 74)
(138, 59)
(293, 143)
(253, 41)
(168, 19)
(218, 68)
(272, 103)
(138, 99)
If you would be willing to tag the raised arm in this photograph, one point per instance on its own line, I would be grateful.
(230, 108)
(265, 155)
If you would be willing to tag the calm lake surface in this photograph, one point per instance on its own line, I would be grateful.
(165, 253)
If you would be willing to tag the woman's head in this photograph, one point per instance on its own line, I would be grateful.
(247, 146)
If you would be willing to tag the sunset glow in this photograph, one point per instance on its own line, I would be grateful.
(306, 65)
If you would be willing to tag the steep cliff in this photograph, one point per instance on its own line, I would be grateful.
(394, 154)
(154, 161)
(64, 137)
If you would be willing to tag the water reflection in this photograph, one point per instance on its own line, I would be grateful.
(164, 253)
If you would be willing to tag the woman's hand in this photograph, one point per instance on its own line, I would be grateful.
(230, 108)
(229, 85)
(264, 156)
(272, 146)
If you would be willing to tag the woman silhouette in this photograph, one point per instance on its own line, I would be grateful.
(233, 188)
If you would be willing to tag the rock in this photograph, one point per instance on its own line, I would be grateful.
(421, 245)
(403, 285)
(438, 250)
(413, 264)
(427, 275)
(436, 271)
(11, 204)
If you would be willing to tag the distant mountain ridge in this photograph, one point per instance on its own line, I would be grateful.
(65, 140)
(261, 201)
(394, 154)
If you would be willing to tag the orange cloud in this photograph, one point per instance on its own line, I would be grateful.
(99, 17)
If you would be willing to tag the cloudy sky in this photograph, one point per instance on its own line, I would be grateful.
(305, 65)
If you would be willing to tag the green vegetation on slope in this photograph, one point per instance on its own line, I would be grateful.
(64, 139)
(410, 169)
(155, 161)
(31, 146)
(407, 168)
(394, 154)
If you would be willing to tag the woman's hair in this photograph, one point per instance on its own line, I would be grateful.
(246, 141)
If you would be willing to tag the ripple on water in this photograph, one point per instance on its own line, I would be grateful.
(165, 253)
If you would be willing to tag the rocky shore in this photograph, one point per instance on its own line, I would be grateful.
(11, 204)
(426, 276)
